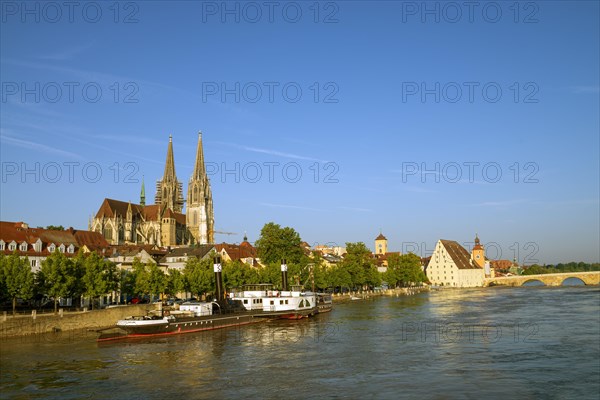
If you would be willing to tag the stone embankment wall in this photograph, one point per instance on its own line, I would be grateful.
(48, 323)
(405, 291)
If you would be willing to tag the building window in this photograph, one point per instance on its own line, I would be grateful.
(108, 233)
(51, 248)
(61, 248)
(12, 246)
(33, 263)
(71, 249)
(23, 247)
(2, 244)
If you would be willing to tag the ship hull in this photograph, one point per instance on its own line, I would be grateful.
(180, 326)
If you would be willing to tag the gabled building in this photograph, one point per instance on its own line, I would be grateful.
(176, 258)
(452, 265)
(37, 243)
(124, 256)
(244, 252)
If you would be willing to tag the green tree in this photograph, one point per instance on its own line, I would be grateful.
(276, 243)
(175, 282)
(271, 273)
(199, 276)
(127, 282)
(59, 277)
(338, 276)
(359, 264)
(236, 273)
(18, 280)
(55, 228)
(157, 281)
(404, 270)
(100, 276)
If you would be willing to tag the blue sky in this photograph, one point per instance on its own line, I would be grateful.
(363, 103)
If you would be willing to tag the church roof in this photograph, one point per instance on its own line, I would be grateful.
(381, 237)
(459, 255)
(111, 208)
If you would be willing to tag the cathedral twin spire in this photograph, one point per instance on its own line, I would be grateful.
(169, 195)
(169, 191)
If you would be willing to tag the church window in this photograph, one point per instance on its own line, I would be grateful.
(107, 233)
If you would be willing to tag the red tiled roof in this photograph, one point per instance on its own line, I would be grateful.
(237, 252)
(111, 208)
(93, 240)
(10, 231)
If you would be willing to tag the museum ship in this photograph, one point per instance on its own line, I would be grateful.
(254, 304)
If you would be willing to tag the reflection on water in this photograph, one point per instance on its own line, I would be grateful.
(522, 342)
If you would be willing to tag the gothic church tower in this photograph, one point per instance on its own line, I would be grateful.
(169, 191)
(199, 214)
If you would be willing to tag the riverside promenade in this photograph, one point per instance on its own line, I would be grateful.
(81, 321)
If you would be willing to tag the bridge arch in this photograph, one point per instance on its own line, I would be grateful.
(572, 281)
(533, 282)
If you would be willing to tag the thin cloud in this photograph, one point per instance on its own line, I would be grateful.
(26, 144)
(289, 206)
(273, 152)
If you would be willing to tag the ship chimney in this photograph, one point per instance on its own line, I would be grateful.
(218, 279)
(284, 280)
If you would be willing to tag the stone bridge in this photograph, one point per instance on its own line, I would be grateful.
(589, 278)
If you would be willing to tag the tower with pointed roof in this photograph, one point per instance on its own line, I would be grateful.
(169, 191)
(143, 194)
(199, 214)
(478, 253)
(381, 244)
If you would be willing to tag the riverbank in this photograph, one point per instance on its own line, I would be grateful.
(84, 321)
(404, 291)
(87, 322)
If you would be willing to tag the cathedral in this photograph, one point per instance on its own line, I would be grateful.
(163, 223)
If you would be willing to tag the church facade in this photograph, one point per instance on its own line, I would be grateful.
(163, 223)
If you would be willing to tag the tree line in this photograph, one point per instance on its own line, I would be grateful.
(536, 269)
(92, 276)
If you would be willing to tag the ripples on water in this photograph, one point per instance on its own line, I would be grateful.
(471, 344)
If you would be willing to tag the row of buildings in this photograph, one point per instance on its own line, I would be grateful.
(164, 234)
(38, 243)
(449, 265)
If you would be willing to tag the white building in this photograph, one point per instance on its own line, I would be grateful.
(452, 265)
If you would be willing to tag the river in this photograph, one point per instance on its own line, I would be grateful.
(528, 342)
